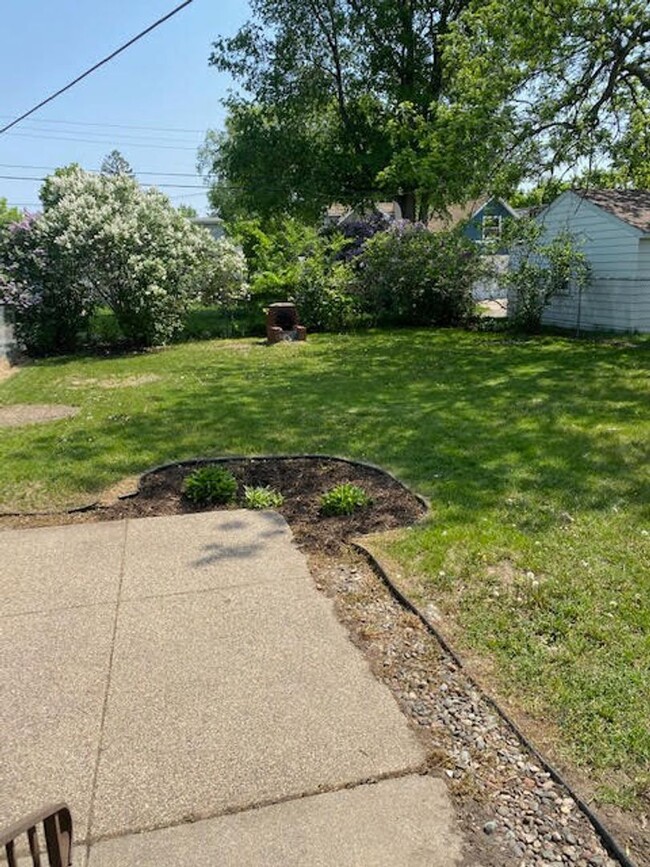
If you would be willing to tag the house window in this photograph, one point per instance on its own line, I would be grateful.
(492, 225)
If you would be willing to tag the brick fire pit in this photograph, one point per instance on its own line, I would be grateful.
(282, 323)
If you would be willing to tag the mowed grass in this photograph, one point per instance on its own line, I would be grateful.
(533, 452)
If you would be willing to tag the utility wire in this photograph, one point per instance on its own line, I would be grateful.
(107, 142)
(96, 66)
(173, 129)
(98, 171)
(102, 137)
(175, 186)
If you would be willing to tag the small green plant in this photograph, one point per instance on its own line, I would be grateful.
(210, 486)
(344, 499)
(262, 498)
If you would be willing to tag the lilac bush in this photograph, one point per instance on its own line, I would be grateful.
(103, 241)
(409, 275)
(38, 284)
(357, 232)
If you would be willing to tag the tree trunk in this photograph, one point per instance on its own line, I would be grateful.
(406, 201)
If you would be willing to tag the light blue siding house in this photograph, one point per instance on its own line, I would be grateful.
(613, 229)
(487, 221)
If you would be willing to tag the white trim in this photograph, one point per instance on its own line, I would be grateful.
(501, 201)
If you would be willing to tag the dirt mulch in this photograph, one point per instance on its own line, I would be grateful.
(302, 481)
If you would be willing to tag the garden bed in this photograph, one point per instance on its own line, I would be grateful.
(301, 480)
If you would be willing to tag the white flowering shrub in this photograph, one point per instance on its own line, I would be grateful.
(224, 281)
(119, 246)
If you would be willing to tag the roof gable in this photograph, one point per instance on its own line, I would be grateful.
(581, 202)
(630, 206)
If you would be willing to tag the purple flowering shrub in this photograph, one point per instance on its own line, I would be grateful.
(408, 275)
(35, 283)
(357, 232)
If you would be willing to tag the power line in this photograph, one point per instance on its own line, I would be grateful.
(96, 65)
(107, 142)
(98, 171)
(166, 186)
(107, 137)
(173, 129)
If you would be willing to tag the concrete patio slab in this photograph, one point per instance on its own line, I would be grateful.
(59, 567)
(224, 699)
(161, 671)
(208, 550)
(395, 823)
(53, 670)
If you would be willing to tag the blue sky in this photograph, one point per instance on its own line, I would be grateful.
(162, 81)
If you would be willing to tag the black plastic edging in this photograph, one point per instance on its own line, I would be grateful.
(606, 837)
(192, 462)
(87, 507)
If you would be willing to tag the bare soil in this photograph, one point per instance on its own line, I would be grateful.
(17, 414)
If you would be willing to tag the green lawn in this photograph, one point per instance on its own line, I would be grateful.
(534, 453)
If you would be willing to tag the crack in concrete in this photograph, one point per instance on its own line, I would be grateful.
(421, 769)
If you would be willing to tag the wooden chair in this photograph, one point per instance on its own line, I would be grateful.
(57, 830)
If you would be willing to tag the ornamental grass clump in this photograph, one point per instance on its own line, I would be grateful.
(262, 498)
(210, 486)
(344, 499)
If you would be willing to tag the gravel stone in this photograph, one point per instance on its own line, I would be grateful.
(539, 824)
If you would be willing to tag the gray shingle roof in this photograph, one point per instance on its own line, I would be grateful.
(631, 206)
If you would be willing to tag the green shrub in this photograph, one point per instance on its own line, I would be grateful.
(540, 269)
(411, 276)
(210, 486)
(262, 498)
(323, 295)
(344, 499)
(103, 242)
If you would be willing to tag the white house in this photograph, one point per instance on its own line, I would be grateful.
(613, 229)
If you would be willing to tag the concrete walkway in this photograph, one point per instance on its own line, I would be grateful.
(181, 683)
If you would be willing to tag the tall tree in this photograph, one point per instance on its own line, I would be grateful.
(7, 213)
(576, 74)
(115, 164)
(348, 100)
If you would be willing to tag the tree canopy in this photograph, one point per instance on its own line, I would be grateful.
(425, 101)
(7, 213)
(347, 100)
(116, 164)
(575, 73)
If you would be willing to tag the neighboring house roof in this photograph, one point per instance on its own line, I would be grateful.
(630, 206)
(456, 214)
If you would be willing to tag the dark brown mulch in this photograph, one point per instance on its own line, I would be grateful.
(302, 481)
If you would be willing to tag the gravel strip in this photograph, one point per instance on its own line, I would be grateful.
(512, 812)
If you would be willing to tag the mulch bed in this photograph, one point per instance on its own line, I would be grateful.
(301, 480)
